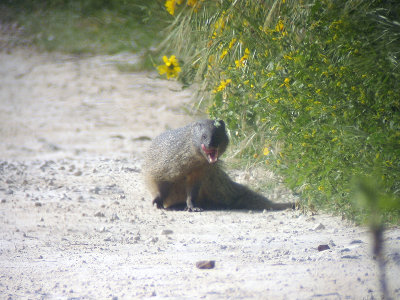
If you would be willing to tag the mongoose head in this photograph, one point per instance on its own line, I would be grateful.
(213, 139)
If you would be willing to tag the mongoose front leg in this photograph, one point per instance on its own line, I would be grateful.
(163, 191)
(192, 192)
(158, 202)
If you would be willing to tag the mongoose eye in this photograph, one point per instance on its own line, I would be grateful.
(204, 136)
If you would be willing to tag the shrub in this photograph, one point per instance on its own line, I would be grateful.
(310, 87)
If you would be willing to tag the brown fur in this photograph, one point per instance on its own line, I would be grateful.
(178, 171)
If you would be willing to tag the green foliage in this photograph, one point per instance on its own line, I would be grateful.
(88, 26)
(312, 87)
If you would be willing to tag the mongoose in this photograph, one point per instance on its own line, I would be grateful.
(182, 167)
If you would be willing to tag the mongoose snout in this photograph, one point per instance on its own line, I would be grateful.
(210, 153)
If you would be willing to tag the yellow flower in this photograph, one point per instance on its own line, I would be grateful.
(285, 82)
(243, 59)
(233, 41)
(279, 26)
(222, 85)
(171, 67)
(223, 54)
(266, 151)
(171, 4)
(194, 3)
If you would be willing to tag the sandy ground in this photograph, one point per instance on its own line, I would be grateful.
(77, 222)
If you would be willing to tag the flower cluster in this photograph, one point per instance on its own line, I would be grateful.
(171, 5)
(170, 67)
(243, 60)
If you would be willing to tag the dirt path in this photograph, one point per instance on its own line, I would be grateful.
(77, 223)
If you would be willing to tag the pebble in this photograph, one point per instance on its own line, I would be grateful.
(114, 217)
(319, 226)
(350, 256)
(205, 264)
(356, 242)
(166, 232)
(323, 247)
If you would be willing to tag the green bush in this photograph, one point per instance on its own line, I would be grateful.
(311, 88)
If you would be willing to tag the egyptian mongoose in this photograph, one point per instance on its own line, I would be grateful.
(182, 167)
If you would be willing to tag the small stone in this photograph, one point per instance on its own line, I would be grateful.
(153, 240)
(205, 264)
(350, 256)
(38, 204)
(356, 242)
(114, 217)
(78, 173)
(96, 190)
(167, 232)
(100, 214)
(323, 247)
(319, 226)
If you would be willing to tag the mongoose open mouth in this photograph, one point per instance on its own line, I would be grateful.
(211, 153)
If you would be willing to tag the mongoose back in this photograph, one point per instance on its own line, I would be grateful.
(182, 167)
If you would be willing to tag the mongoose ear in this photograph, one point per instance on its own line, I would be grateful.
(218, 123)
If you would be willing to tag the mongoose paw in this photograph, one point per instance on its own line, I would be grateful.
(158, 202)
(193, 209)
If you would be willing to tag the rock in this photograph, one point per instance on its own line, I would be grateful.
(323, 247)
(350, 256)
(166, 232)
(100, 214)
(319, 226)
(205, 264)
(114, 217)
(356, 242)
